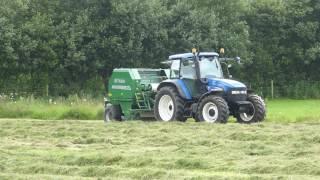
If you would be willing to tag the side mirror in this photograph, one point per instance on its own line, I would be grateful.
(238, 60)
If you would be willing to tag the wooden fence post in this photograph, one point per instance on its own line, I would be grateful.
(272, 90)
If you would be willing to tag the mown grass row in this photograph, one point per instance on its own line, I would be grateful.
(281, 110)
(143, 150)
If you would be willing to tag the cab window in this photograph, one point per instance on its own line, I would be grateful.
(188, 70)
(175, 68)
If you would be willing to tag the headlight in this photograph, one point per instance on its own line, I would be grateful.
(238, 92)
(216, 89)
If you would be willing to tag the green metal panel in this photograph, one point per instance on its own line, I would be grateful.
(122, 84)
(131, 89)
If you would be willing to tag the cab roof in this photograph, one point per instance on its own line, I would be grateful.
(190, 55)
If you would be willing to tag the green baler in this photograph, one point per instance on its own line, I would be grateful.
(132, 91)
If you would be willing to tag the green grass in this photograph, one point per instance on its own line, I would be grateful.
(293, 110)
(72, 108)
(75, 108)
(33, 149)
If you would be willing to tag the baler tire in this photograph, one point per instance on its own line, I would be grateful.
(259, 110)
(178, 104)
(112, 113)
(217, 102)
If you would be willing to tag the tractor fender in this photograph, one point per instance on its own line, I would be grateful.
(179, 85)
(215, 91)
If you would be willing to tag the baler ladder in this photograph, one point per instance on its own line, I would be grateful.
(142, 102)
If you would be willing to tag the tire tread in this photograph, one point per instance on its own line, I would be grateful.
(260, 109)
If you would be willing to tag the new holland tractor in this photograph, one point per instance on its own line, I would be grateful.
(193, 87)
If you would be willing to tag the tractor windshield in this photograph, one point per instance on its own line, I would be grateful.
(210, 67)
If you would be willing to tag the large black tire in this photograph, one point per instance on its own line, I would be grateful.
(256, 114)
(112, 113)
(169, 106)
(213, 109)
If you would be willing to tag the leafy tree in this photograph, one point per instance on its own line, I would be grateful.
(66, 47)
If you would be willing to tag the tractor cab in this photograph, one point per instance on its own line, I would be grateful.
(185, 66)
(202, 73)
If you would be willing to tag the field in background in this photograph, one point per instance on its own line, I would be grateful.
(293, 111)
(55, 109)
(85, 109)
(33, 149)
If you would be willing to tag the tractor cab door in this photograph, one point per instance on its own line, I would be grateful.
(189, 76)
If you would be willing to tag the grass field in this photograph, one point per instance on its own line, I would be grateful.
(70, 108)
(37, 149)
(75, 108)
(285, 146)
(293, 111)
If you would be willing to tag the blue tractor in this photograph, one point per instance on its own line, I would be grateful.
(197, 88)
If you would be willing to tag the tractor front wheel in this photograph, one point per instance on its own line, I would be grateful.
(213, 109)
(169, 105)
(256, 113)
(112, 113)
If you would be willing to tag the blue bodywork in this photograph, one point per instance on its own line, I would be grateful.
(184, 89)
(225, 84)
(214, 84)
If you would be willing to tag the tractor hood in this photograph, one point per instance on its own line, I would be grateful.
(225, 84)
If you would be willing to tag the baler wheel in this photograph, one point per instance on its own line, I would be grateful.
(112, 113)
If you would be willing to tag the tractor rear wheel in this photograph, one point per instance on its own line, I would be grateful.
(256, 113)
(112, 113)
(169, 105)
(213, 109)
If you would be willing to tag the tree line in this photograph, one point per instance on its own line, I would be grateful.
(62, 47)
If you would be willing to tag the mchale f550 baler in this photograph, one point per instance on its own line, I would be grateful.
(193, 87)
